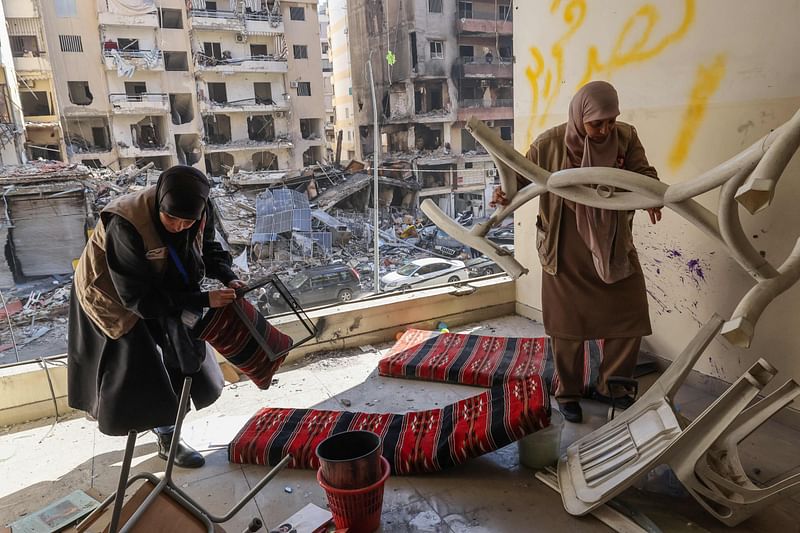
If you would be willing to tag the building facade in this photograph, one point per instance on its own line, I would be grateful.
(327, 78)
(224, 86)
(342, 79)
(12, 121)
(436, 65)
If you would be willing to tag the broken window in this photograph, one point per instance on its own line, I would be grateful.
(467, 141)
(135, 88)
(24, 45)
(70, 43)
(264, 161)
(465, 10)
(259, 50)
(505, 133)
(145, 134)
(217, 128)
(261, 128)
(437, 49)
(176, 61)
(79, 92)
(217, 92)
(100, 137)
(213, 51)
(297, 13)
(300, 51)
(181, 108)
(466, 53)
(309, 157)
(427, 138)
(128, 45)
(304, 88)
(413, 44)
(504, 12)
(263, 93)
(308, 129)
(435, 6)
(35, 103)
(170, 18)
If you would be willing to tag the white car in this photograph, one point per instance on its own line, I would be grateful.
(424, 273)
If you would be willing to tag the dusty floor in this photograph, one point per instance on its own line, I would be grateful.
(41, 462)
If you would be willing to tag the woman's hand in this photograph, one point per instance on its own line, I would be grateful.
(498, 198)
(221, 297)
(655, 214)
(237, 284)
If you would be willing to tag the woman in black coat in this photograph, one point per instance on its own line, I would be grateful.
(132, 381)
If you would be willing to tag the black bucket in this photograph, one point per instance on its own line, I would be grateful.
(351, 459)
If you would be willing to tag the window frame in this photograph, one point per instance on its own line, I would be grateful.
(438, 54)
(304, 84)
(293, 13)
(302, 48)
(432, 4)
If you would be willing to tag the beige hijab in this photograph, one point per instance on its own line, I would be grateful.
(597, 100)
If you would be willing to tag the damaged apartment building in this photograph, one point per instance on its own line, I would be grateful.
(448, 62)
(222, 85)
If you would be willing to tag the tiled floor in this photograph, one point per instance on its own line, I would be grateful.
(40, 462)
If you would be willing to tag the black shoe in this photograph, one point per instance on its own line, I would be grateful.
(621, 402)
(185, 456)
(572, 411)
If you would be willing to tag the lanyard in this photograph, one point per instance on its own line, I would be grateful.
(175, 259)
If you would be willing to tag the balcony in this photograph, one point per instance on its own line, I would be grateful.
(154, 150)
(499, 109)
(258, 64)
(122, 60)
(148, 20)
(250, 23)
(33, 63)
(248, 105)
(489, 25)
(281, 141)
(139, 104)
(481, 67)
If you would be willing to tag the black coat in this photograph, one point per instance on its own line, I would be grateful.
(134, 382)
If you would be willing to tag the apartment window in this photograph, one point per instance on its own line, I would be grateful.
(135, 88)
(325, 48)
(304, 88)
(66, 8)
(465, 10)
(170, 18)
(437, 50)
(211, 6)
(300, 51)
(505, 133)
(70, 43)
(435, 6)
(297, 13)
(128, 45)
(24, 46)
(79, 93)
(468, 165)
(176, 61)
(259, 50)
(217, 92)
(346, 112)
(412, 37)
(35, 103)
(349, 135)
(504, 12)
(213, 50)
(263, 93)
(506, 52)
(466, 53)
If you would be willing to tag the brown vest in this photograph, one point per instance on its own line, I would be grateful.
(93, 285)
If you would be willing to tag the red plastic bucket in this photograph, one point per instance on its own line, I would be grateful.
(357, 509)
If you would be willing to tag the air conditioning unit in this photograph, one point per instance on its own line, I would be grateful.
(491, 172)
(293, 84)
(279, 114)
(240, 38)
(490, 123)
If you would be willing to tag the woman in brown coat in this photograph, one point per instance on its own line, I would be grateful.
(592, 284)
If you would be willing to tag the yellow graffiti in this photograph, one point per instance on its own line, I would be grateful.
(632, 45)
(638, 51)
(706, 83)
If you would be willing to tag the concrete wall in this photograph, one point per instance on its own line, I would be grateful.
(701, 81)
(342, 77)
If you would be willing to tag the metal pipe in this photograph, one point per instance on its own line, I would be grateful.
(375, 158)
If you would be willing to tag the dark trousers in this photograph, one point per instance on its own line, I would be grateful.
(619, 359)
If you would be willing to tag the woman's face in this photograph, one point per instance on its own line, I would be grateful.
(175, 224)
(598, 130)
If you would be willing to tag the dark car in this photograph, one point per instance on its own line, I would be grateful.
(318, 286)
(502, 235)
(433, 238)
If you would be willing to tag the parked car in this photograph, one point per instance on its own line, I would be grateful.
(317, 286)
(424, 273)
(502, 235)
(484, 266)
(434, 239)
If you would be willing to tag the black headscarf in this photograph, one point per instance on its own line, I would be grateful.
(182, 191)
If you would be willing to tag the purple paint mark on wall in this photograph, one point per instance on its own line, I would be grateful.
(673, 253)
(696, 269)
